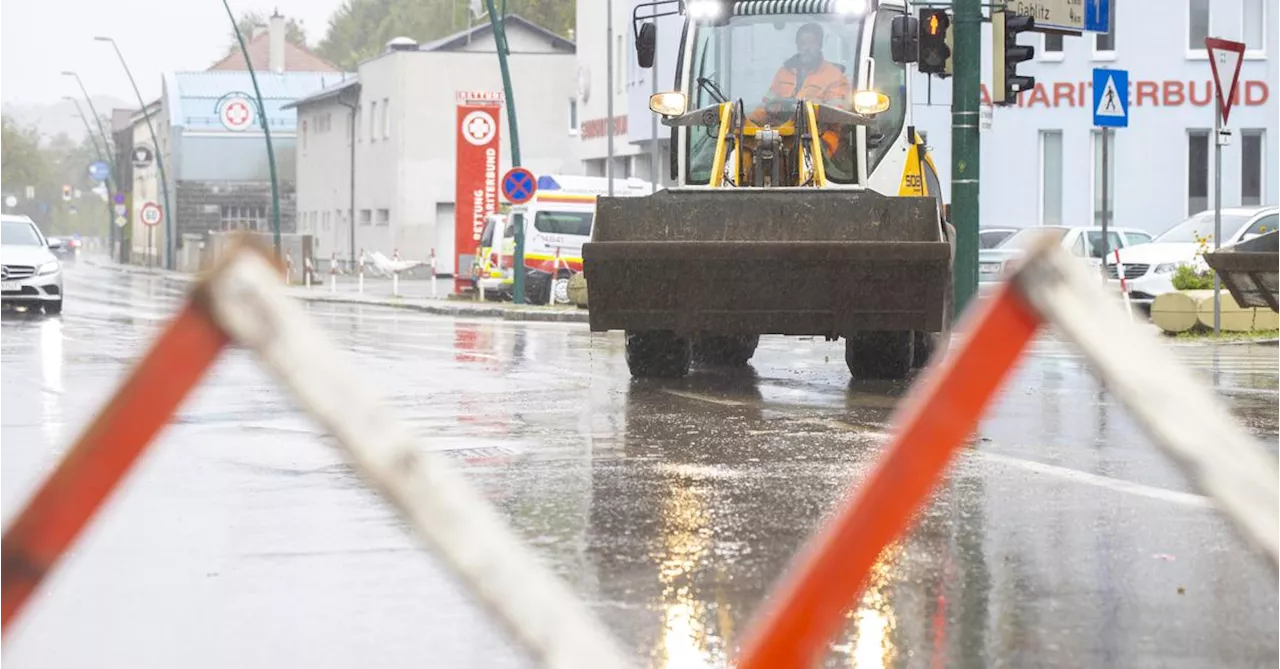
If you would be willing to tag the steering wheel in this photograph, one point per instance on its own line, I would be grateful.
(779, 110)
(714, 88)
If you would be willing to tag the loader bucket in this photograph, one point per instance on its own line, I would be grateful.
(1249, 270)
(792, 261)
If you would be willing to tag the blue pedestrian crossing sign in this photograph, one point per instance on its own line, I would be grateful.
(1111, 98)
(519, 185)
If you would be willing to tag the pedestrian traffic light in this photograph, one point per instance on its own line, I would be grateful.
(935, 42)
(1007, 53)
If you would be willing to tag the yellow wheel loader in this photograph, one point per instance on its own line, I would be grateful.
(806, 202)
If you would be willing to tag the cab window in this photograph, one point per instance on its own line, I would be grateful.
(889, 78)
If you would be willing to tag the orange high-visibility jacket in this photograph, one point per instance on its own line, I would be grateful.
(827, 83)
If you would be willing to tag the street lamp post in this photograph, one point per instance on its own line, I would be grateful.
(266, 129)
(164, 183)
(111, 228)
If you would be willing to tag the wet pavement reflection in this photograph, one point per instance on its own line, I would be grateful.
(1061, 538)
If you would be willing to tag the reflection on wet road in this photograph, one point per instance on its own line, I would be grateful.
(1062, 538)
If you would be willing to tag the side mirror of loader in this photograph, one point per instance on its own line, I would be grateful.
(646, 45)
(904, 39)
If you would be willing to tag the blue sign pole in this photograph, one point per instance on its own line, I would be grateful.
(1110, 110)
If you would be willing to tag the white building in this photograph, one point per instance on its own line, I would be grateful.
(397, 121)
(1040, 159)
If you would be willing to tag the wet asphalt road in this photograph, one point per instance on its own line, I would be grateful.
(1063, 539)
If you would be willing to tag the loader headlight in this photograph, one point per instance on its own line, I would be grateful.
(870, 102)
(705, 9)
(672, 103)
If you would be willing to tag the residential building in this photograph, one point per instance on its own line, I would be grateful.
(397, 123)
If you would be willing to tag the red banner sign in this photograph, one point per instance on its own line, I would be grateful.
(477, 173)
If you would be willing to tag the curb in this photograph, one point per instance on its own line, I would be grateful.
(445, 309)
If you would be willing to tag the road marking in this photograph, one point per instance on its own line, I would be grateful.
(704, 398)
(1118, 485)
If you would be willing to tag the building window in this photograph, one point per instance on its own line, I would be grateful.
(1104, 44)
(366, 218)
(1251, 167)
(1051, 177)
(244, 218)
(1197, 26)
(1097, 176)
(373, 121)
(1255, 27)
(384, 217)
(1197, 171)
(573, 116)
(1052, 47)
(386, 118)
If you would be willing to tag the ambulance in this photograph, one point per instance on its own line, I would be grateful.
(557, 222)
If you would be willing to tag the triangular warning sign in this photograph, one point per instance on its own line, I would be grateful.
(1109, 103)
(1225, 57)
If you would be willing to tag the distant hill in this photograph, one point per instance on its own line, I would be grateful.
(60, 117)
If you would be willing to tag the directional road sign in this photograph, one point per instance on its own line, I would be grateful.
(1111, 98)
(519, 185)
(150, 213)
(1090, 16)
(99, 170)
(121, 221)
(1225, 58)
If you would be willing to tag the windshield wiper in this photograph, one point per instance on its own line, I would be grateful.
(704, 82)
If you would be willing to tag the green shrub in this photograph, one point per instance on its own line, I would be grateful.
(1187, 278)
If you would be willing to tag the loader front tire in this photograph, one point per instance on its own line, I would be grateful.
(933, 345)
(880, 355)
(658, 354)
(725, 351)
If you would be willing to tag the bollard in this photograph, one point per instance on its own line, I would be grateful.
(360, 287)
(395, 284)
(434, 289)
(1124, 286)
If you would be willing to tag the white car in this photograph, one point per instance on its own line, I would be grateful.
(1149, 268)
(30, 274)
(1084, 243)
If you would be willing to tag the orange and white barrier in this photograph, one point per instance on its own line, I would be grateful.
(944, 408)
(241, 301)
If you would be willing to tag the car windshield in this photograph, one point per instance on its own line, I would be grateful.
(20, 233)
(1021, 240)
(1201, 226)
(761, 60)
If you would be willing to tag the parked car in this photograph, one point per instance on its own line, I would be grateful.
(1149, 268)
(1082, 242)
(30, 274)
(990, 238)
(64, 248)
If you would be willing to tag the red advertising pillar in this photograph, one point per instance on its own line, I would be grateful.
(477, 173)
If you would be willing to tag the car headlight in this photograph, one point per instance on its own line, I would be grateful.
(1167, 267)
(50, 267)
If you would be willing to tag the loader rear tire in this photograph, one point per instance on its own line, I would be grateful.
(725, 351)
(658, 354)
(880, 355)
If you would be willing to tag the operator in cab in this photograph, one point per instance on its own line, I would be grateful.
(809, 75)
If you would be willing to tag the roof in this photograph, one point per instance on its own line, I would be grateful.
(460, 39)
(351, 83)
(296, 58)
(193, 96)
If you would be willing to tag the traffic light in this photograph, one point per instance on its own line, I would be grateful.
(1007, 53)
(935, 48)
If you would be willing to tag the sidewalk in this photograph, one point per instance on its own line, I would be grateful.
(415, 295)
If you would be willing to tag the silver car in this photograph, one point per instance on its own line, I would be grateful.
(30, 275)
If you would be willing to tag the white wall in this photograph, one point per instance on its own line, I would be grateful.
(592, 69)
(323, 176)
(1151, 155)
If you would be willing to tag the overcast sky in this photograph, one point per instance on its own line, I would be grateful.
(41, 38)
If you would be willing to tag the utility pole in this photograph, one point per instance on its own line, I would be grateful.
(965, 153)
(517, 217)
(108, 159)
(608, 93)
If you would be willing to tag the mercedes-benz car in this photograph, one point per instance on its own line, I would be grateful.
(30, 275)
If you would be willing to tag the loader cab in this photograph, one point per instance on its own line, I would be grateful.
(763, 55)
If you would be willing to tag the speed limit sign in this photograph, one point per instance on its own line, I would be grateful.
(150, 213)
